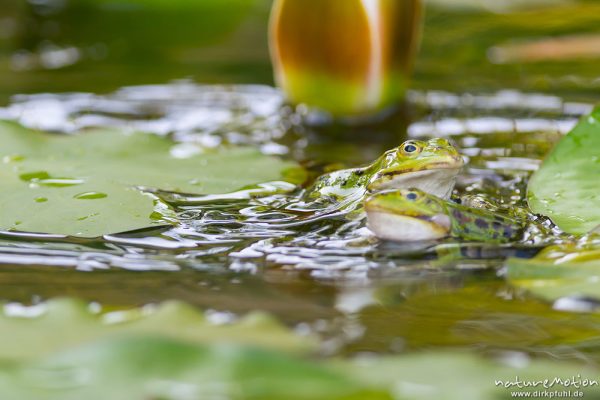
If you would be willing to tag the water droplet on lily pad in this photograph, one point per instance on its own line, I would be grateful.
(43, 178)
(61, 182)
(34, 176)
(90, 196)
(12, 158)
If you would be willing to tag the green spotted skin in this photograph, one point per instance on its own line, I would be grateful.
(482, 225)
(411, 156)
(459, 221)
(341, 183)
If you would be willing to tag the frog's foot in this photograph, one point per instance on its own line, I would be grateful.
(478, 201)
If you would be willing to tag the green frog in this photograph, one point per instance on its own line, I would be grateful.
(431, 166)
(413, 215)
(428, 165)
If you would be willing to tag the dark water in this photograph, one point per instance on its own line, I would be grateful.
(329, 274)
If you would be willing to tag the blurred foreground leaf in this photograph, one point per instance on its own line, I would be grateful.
(566, 188)
(83, 185)
(140, 368)
(65, 323)
(464, 376)
(144, 368)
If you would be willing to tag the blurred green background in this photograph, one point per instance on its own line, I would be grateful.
(469, 45)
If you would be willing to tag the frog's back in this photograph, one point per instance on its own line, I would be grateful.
(338, 184)
(482, 225)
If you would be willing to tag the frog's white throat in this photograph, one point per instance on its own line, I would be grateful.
(438, 182)
(402, 228)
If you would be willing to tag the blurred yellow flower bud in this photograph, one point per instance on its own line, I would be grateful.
(346, 57)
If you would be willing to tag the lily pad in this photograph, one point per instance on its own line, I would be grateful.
(566, 188)
(65, 323)
(146, 367)
(173, 352)
(466, 376)
(567, 270)
(84, 184)
(139, 368)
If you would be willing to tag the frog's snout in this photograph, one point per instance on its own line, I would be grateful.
(446, 151)
(451, 156)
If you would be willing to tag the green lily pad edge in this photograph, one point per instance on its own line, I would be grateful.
(565, 188)
(84, 185)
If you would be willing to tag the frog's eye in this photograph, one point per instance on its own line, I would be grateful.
(412, 196)
(410, 148)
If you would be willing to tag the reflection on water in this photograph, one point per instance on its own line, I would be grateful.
(208, 115)
(316, 266)
(477, 316)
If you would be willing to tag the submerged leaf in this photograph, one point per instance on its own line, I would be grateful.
(567, 270)
(473, 317)
(84, 185)
(566, 187)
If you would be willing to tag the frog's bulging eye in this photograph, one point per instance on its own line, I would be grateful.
(410, 148)
(412, 196)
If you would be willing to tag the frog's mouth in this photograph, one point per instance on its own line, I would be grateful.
(405, 228)
(436, 181)
(436, 177)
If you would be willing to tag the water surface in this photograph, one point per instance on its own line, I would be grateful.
(326, 275)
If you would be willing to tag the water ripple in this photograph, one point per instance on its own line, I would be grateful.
(503, 135)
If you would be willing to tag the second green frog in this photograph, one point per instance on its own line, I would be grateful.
(413, 215)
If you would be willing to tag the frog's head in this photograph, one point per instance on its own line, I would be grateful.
(407, 215)
(431, 166)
